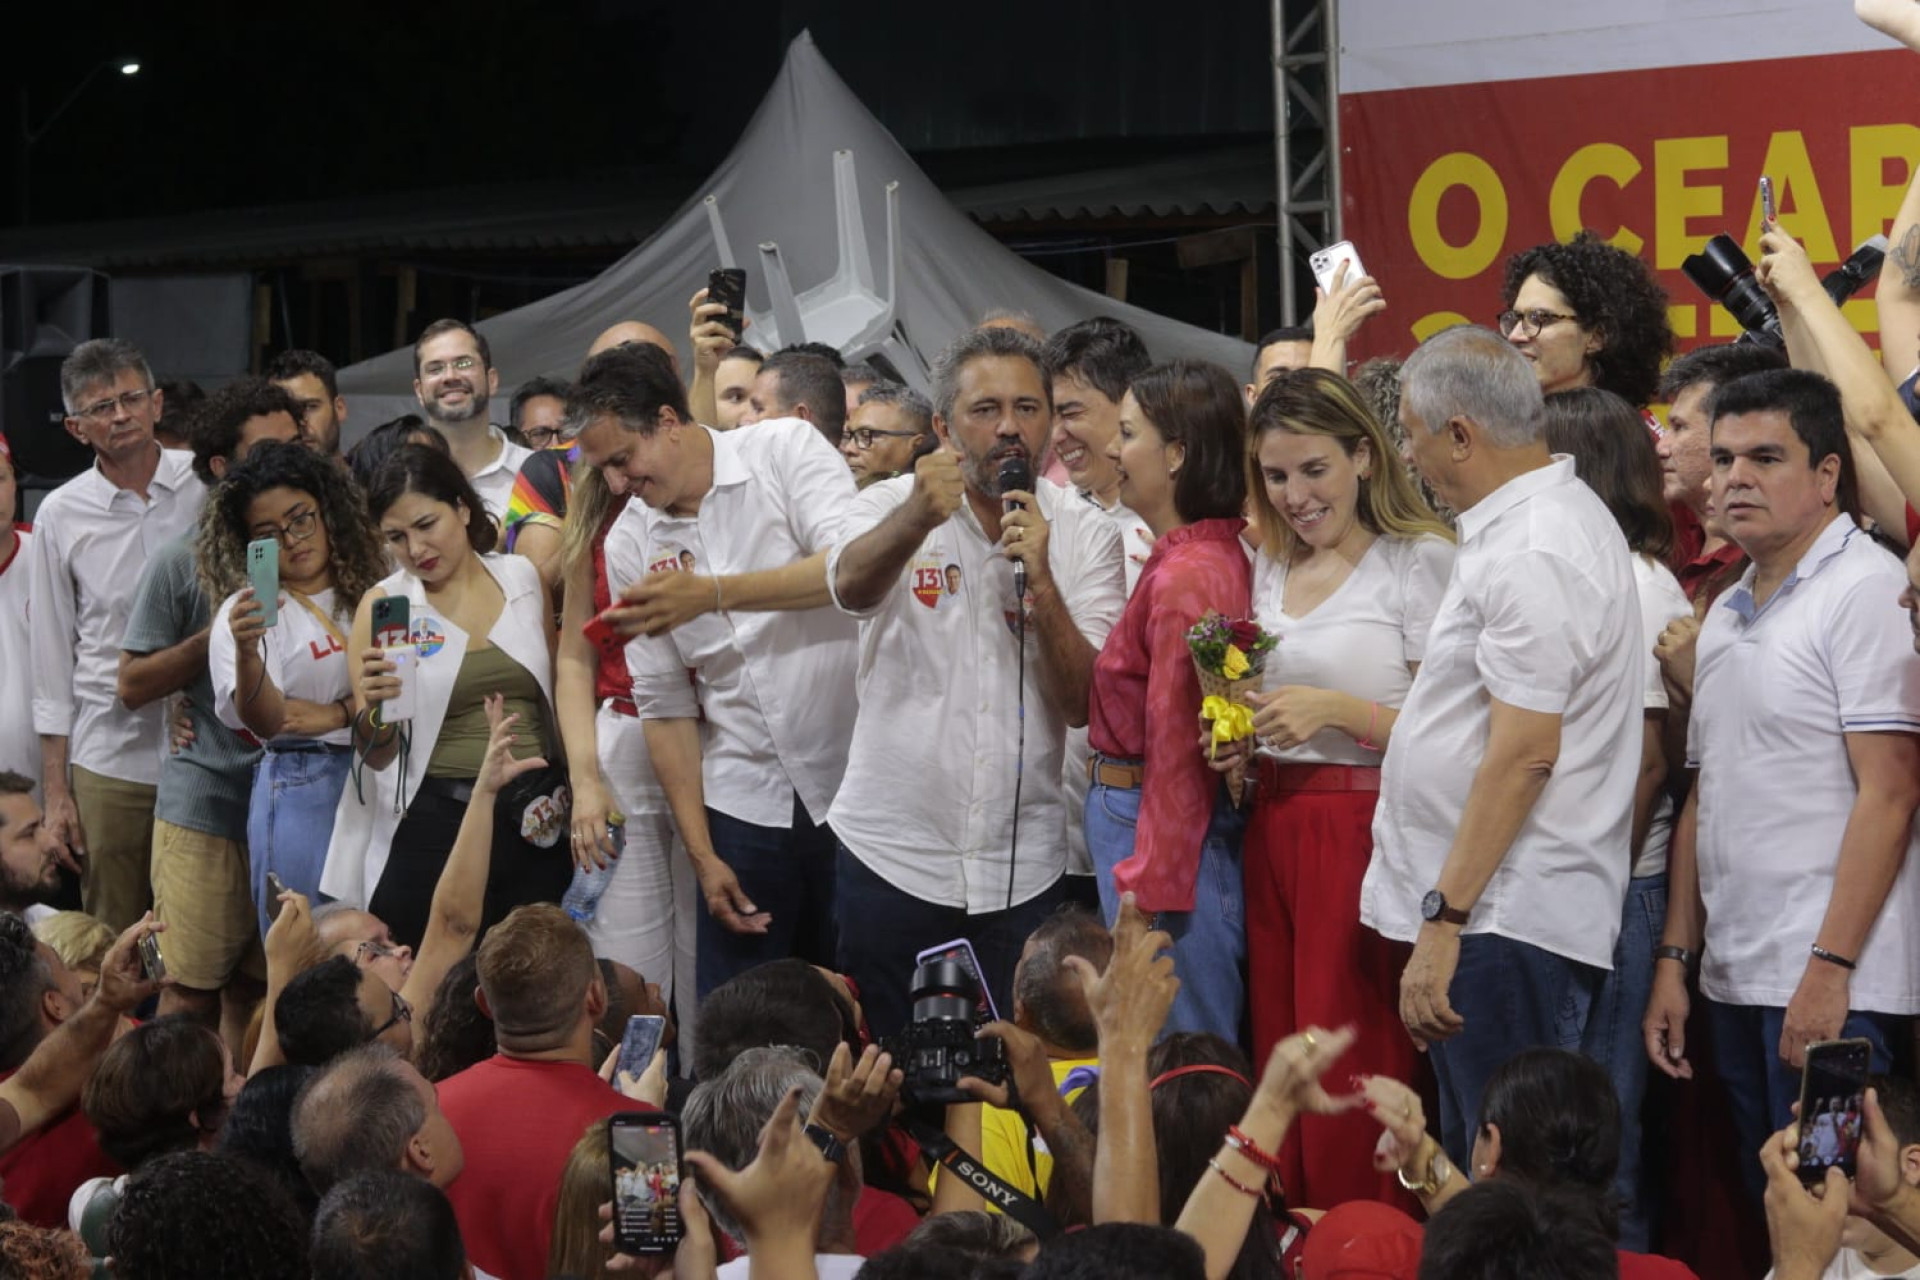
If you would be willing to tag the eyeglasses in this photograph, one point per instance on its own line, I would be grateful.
(298, 529)
(863, 437)
(1529, 323)
(402, 1012)
(541, 437)
(102, 410)
(375, 948)
(459, 364)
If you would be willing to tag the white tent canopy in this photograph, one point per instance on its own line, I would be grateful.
(778, 185)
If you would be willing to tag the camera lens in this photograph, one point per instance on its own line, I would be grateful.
(942, 991)
(1724, 273)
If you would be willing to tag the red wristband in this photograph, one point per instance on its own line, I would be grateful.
(1251, 1150)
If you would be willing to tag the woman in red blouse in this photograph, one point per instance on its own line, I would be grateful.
(1158, 820)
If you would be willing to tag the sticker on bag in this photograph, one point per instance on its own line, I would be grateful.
(545, 818)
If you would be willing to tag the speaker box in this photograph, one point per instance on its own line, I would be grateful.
(45, 312)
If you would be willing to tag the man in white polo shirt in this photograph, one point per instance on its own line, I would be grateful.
(454, 380)
(930, 846)
(1806, 711)
(1501, 842)
(100, 761)
(749, 788)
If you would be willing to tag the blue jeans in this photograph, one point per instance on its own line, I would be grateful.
(1513, 996)
(1210, 941)
(785, 871)
(290, 821)
(888, 927)
(1614, 1040)
(1761, 1088)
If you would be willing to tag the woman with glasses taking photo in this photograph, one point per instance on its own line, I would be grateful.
(287, 684)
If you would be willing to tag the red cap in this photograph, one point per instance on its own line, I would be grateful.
(1363, 1240)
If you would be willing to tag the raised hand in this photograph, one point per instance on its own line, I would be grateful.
(1131, 1000)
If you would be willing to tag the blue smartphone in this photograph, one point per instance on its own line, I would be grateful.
(263, 575)
(639, 1044)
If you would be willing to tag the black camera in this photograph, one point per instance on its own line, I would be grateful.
(939, 1047)
(1724, 273)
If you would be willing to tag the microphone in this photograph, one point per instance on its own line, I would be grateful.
(1016, 473)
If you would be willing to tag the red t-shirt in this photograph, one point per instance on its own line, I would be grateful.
(518, 1122)
(43, 1172)
(881, 1220)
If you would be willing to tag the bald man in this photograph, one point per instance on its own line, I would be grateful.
(635, 331)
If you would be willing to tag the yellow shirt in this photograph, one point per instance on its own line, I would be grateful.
(1003, 1141)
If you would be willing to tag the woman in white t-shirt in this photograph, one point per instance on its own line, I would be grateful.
(287, 684)
(1614, 455)
(1351, 568)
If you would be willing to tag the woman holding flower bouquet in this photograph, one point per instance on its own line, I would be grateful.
(1351, 569)
(1159, 822)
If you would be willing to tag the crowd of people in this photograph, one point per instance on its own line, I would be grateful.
(352, 803)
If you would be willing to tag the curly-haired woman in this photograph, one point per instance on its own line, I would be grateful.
(287, 684)
(1585, 314)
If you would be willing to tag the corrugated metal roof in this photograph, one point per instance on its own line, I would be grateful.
(534, 217)
(1228, 181)
(517, 218)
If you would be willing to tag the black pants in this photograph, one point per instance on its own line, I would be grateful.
(521, 872)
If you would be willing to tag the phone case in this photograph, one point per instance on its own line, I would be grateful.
(390, 614)
(263, 575)
(1328, 260)
(604, 637)
(404, 705)
(644, 1161)
(639, 1044)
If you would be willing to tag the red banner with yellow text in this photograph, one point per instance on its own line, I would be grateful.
(1443, 183)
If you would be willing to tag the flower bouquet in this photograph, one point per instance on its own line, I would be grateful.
(1230, 656)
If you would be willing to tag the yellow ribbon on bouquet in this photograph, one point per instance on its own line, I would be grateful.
(1232, 721)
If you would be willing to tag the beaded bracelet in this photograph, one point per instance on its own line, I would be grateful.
(1234, 1182)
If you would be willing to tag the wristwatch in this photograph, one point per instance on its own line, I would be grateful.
(830, 1146)
(1439, 1169)
(1434, 909)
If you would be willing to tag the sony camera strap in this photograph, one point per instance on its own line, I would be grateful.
(961, 1164)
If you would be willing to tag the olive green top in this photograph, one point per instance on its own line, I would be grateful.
(462, 744)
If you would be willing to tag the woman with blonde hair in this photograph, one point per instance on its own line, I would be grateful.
(576, 1249)
(1351, 568)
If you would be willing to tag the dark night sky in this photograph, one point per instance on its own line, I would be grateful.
(243, 104)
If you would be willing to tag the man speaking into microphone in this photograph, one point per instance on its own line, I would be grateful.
(951, 819)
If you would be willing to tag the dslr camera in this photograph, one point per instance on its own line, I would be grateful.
(938, 1047)
(1724, 273)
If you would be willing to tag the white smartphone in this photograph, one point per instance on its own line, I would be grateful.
(1326, 263)
(404, 705)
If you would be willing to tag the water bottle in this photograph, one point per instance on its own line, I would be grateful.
(582, 898)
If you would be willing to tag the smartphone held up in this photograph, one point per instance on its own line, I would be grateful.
(1833, 1088)
(644, 1151)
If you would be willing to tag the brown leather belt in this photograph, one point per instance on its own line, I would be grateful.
(1277, 778)
(1125, 775)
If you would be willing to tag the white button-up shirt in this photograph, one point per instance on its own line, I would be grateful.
(494, 482)
(1776, 690)
(928, 801)
(89, 546)
(1541, 613)
(777, 688)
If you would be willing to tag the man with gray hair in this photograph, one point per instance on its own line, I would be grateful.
(951, 821)
(370, 1109)
(724, 1118)
(100, 762)
(1501, 842)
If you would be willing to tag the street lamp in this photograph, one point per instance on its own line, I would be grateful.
(30, 135)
